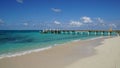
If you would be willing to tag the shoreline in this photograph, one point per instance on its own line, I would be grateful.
(45, 48)
(56, 57)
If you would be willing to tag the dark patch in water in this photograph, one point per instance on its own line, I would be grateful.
(25, 41)
(11, 39)
(2, 34)
(7, 39)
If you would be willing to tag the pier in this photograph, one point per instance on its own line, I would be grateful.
(82, 32)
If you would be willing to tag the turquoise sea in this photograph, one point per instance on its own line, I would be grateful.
(20, 42)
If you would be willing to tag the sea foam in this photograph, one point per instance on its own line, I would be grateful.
(23, 53)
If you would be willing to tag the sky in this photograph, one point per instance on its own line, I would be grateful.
(59, 14)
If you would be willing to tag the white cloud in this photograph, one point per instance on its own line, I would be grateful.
(1, 21)
(113, 25)
(75, 23)
(56, 9)
(100, 20)
(86, 19)
(25, 24)
(33, 25)
(20, 1)
(57, 22)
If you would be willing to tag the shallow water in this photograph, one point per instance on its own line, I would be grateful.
(15, 42)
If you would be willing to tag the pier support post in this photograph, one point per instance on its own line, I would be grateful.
(95, 33)
(88, 33)
(102, 33)
(108, 33)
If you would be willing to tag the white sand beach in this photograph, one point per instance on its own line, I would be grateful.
(108, 56)
(96, 53)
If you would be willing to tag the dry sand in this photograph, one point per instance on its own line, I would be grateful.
(95, 53)
(108, 56)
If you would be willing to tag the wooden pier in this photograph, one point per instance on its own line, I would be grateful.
(86, 32)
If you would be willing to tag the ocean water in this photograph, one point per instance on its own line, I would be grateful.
(16, 43)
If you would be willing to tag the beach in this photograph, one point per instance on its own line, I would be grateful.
(60, 34)
(107, 56)
(95, 53)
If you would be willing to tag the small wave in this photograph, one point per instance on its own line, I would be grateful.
(95, 38)
(57, 44)
(98, 37)
(23, 53)
(76, 40)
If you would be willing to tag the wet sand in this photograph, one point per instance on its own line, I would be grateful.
(62, 56)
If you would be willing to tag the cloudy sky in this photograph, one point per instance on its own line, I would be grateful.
(59, 14)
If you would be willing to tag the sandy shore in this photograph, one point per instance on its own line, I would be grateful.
(108, 56)
(97, 53)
